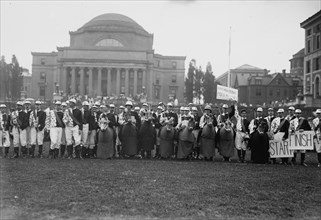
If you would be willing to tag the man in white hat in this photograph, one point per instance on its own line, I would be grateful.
(64, 107)
(19, 121)
(169, 114)
(92, 133)
(292, 119)
(120, 122)
(157, 117)
(85, 129)
(254, 124)
(113, 123)
(225, 114)
(281, 124)
(317, 128)
(54, 124)
(4, 131)
(27, 109)
(242, 135)
(73, 121)
(270, 117)
(37, 122)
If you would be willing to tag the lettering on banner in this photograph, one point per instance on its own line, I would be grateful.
(301, 140)
(226, 93)
(280, 149)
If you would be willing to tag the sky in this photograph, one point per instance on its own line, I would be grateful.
(264, 34)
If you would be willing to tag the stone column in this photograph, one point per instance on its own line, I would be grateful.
(90, 81)
(63, 80)
(109, 82)
(118, 82)
(126, 82)
(73, 80)
(144, 80)
(135, 81)
(82, 81)
(99, 82)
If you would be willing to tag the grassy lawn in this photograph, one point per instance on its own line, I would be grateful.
(108, 189)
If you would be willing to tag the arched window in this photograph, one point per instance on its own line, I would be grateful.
(109, 43)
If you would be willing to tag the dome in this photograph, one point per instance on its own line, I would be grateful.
(112, 20)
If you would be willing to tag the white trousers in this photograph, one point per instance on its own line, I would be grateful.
(4, 139)
(19, 137)
(72, 132)
(63, 137)
(28, 136)
(36, 137)
(240, 144)
(55, 137)
(84, 135)
(91, 139)
(317, 143)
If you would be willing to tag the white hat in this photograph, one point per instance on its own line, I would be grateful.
(291, 108)
(129, 103)
(281, 110)
(318, 111)
(19, 103)
(121, 107)
(225, 106)
(111, 106)
(3, 106)
(298, 111)
(181, 108)
(259, 109)
(102, 106)
(186, 109)
(194, 108)
(85, 103)
(38, 103)
(57, 103)
(169, 104)
(64, 104)
(27, 102)
(207, 107)
(145, 104)
(67, 102)
(270, 109)
(136, 108)
(160, 107)
(73, 100)
(97, 103)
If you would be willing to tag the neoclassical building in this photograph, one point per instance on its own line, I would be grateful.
(108, 56)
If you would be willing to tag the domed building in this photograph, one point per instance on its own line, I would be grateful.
(108, 56)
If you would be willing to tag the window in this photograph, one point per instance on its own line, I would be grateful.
(309, 46)
(174, 78)
(42, 76)
(317, 87)
(278, 93)
(109, 43)
(317, 43)
(140, 75)
(258, 81)
(43, 61)
(258, 92)
(271, 92)
(316, 63)
(308, 66)
(157, 93)
(42, 91)
(309, 31)
(174, 64)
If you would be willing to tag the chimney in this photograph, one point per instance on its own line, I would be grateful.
(283, 71)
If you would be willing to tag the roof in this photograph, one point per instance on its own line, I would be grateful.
(247, 67)
(310, 19)
(112, 19)
(267, 79)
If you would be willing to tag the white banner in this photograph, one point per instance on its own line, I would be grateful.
(280, 149)
(226, 93)
(301, 140)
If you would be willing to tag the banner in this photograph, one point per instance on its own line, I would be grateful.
(301, 140)
(226, 93)
(280, 149)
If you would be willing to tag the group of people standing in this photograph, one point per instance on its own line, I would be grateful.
(96, 130)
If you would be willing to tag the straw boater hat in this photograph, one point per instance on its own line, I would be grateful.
(281, 110)
(259, 109)
(129, 103)
(3, 106)
(298, 111)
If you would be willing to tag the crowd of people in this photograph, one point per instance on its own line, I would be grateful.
(95, 130)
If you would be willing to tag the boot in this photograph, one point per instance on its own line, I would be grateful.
(69, 151)
(243, 155)
(40, 152)
(303, 159)
(319, 159)
(157, 152)
(273, 160)
(91, 153)
(32, 151)
(57, 153)
(6, 152)
(23, 151)
(149, 154)
(95, 150)
(62, 150)
(50, 155)
(239, 154)
(83, 152)
(77, 152)
(294, 159)
(16, 152)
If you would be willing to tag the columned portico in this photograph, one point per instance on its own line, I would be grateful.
(99, 82)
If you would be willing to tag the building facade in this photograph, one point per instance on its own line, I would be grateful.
(312, 60)
(111, 55)
(296, 64)
(26, 84)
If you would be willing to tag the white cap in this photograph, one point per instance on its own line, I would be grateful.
(298, 111)
(186, 109)
(129, 103)
(160, 107)
(73, 100)
(57, 103)
(85, 103)
(67, 102)
(38, 103)
(281, 110)
(318, 111)
(102, 106)
(270, 109)
(259, 109)
(145, 104)
(169, 104)
(97, 103)
(136, 108)
(194, 108)
(19, 103)
(27, 102)
(207, 107)
(111, 106)
(121, 107)
(64, 104)
(291, 108)
(3, 106)
(225, 106)
(181, 108)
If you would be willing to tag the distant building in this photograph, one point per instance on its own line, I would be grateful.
(296, 64)
(26, 84)
(312, 60)
(109, 56)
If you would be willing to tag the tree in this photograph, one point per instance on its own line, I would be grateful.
(209, 85)
(189, 82)
(198, 83)
(15, 78)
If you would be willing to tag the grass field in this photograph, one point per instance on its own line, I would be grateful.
(143, 189)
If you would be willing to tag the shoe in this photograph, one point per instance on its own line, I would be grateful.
(304, 164)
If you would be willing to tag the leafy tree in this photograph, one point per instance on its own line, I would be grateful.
(189, 82)
(209, 85)
(198, 83)
(15, 78)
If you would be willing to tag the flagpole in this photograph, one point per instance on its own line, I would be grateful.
(229, 61)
